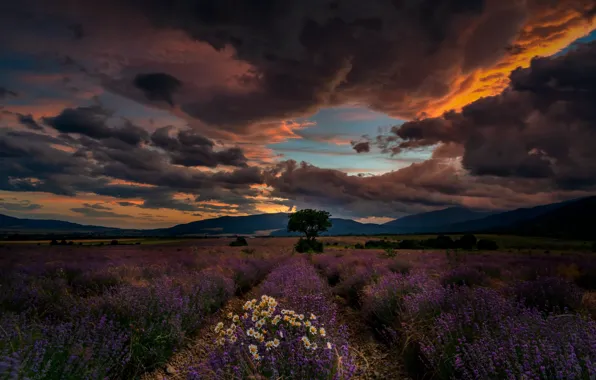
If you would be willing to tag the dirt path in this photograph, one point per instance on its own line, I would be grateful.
(374, 359)
(203, 343)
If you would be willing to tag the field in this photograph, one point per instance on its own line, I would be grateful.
(200, 309)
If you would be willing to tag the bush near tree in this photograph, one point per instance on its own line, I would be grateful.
(239, 242)
(487, 245)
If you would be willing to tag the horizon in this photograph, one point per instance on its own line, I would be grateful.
(154, 120)
(287, 213)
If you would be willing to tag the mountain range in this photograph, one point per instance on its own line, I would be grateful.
(569, 219)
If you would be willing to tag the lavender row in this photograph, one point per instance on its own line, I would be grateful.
(55, 328)
(523, 331)
(291, 331)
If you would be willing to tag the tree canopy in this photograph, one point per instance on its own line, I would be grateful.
(310, 222)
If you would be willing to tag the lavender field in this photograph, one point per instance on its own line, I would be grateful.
(204, 310)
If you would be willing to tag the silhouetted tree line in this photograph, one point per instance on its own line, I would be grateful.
(467, 241)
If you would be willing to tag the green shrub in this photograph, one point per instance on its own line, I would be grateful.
(239, 242)
(468, 241)
(408, 244)
(487, 245)
(308, 246)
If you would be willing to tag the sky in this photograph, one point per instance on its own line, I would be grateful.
(149, 114)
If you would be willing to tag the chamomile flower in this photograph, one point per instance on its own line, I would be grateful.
(233, 339)
(313, 330)
(276, 320)
(221, 341)
(236, 318)
(253, 349)
(268, 345)
(275, 342)
(250, 332)
(230, 315)
(307, 323)
(254, 318)
(313, 317)
(245, 316)
(314, 346)
(256, 356)
(301, 316)
(328, 345)
(306, 342)
(322, 332)
(219, 326)
(229, 332)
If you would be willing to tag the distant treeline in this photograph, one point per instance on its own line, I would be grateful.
(467, 241)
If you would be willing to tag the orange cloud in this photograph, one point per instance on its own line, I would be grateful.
(544, 34)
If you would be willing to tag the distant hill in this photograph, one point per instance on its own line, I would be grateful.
(433, 221)
(18, 225)
(228, 225)
(342, 227)
(571, 220)
(501, 220)
(264, 224)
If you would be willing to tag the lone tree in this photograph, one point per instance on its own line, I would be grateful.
(310, 222)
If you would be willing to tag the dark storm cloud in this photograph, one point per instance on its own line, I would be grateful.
(309, 54)
(127, 204)
(67, 165)
(96, 206)
(4, 93)
(424, 186)
(15, 205)
(188, 148)
(95, 213)
(29, 122)
(361, 147)
(92, 122)
(542, 126)
(158, 86)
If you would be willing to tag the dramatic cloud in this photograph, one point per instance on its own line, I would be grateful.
(158, 86)
(95, 213)
(92, 122)
(231, 79)
(419, 187)
(96, 206)
(361, 147)
(154, 168)
(4, 93)
(29, 122)
(542, 126)
(191, 149)
(16, 205)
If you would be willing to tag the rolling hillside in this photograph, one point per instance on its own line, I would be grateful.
(572, 220)
(433, 221)
(9, 223)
